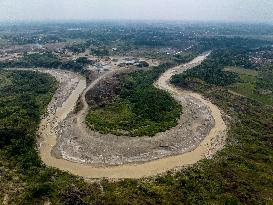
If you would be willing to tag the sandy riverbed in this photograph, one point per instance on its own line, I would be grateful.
(199, 134)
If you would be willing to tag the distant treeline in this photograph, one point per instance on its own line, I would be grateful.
(235, 43)
(46, 60)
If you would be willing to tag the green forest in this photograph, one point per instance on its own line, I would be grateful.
(24, 96)
(232, 68)
(212, 69)
(139, 108)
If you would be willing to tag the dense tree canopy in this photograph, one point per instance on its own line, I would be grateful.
(140, 108)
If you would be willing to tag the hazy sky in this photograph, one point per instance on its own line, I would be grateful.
(216, 10)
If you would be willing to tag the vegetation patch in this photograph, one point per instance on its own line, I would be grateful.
(246, 73)
(248, 153)
(23, 177)
(4, 79)
(212, 70)
(253, 84)
(232, 68)
(140, 108)
(114, 117)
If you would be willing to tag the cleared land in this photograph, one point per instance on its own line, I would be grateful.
(248, 85)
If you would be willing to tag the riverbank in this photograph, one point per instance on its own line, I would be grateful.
(201, 126)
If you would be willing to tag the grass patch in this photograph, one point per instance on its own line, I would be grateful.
(4, 79)
(249, 90)
(242, 71)
(247, 85)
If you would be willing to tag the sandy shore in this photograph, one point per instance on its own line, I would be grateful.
(68, 135)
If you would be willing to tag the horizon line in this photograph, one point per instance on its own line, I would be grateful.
(27, 21)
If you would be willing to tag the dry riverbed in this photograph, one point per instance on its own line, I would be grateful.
(69, 145)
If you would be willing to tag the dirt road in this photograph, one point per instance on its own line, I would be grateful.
(213, 142)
